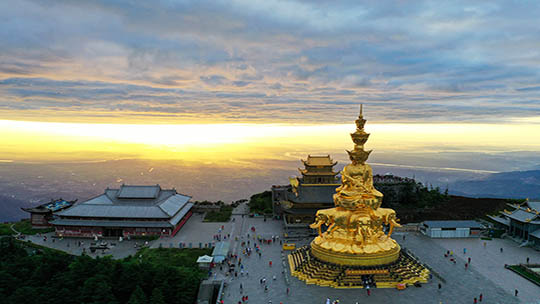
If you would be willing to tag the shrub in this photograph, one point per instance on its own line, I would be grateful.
(261, 202)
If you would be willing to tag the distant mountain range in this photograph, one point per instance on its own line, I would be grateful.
(29, 184)
(515, 184)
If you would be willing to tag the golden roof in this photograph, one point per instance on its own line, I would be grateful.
(307, 172)
(319, 160)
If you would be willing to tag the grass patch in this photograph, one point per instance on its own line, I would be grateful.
(5, 229)
(25, 227)
(525, 273)
(486, 238)
(186, 257)
(223, 215)
(144, 237)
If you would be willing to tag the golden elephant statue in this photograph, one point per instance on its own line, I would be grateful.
(388, 217)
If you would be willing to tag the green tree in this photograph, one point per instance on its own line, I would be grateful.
(260, 202)
(127, 277)
(40, 275)
(137, 297)
(97, 290)
(24, 295)
(157, 297)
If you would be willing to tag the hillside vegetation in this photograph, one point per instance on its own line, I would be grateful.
(261, 203)
(29, 275)
(415, 202)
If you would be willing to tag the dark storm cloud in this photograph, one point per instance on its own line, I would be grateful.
(281, 60)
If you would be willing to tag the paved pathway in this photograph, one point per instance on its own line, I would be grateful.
(196, 231)
(461, 284)
(12, 226)
(486, 274)
(490, 262)
(461, 287)
(70, 245)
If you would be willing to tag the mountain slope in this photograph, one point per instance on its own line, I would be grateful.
(515, 184)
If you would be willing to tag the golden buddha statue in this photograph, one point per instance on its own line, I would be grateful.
(357, 183)
(357, 240)
(355, 234)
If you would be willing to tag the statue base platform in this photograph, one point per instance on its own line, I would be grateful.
(379, 257)
(404, 270)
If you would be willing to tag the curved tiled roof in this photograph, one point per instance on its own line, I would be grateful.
(164, 204)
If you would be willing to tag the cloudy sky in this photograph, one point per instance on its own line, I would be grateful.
(270, 61)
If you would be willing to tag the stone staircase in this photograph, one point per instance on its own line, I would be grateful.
(306, 267)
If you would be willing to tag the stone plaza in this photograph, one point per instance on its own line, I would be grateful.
(486, 274)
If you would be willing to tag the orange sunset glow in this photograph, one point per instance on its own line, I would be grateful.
(339, 152)
(79, 141)
(231, 95)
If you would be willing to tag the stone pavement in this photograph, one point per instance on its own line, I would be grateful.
(461, 286)
(196, 231)
(489, 261)
(486, 274)
(70, 245)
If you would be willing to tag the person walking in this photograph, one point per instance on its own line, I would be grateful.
(527, 260)
(480, 297)
(288, 290)
(440, 286)
(475, 301)
(515, 292)
(469, 260)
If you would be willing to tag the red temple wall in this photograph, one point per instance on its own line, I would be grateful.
(84, 231)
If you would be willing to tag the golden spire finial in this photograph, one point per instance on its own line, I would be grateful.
(361, 109)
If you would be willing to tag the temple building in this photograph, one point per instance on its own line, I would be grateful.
(40, 216)
(298, 202)
(523, 222)
(127, 211)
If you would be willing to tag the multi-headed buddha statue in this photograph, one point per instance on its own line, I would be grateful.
(355, 234)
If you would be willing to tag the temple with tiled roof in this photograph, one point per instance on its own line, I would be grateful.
(522, 222)
(298, 202)
(40, 216)
(127, 211)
